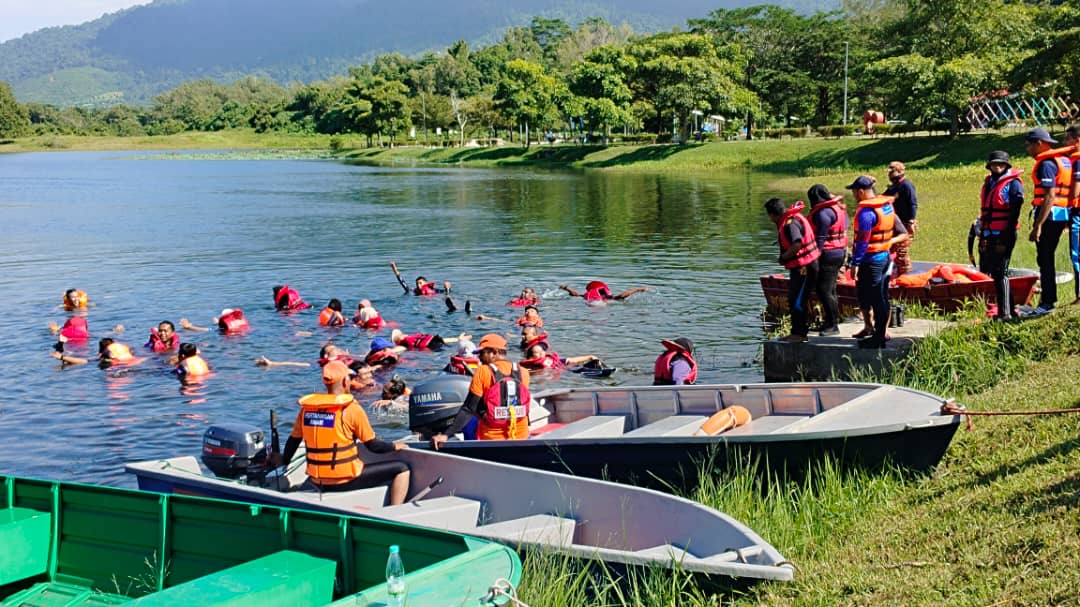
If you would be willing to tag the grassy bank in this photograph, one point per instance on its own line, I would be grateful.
(217, 140)
(997, 523)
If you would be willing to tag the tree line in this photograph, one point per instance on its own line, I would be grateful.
(921, 61)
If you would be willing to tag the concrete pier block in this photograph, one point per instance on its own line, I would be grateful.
(823, 358)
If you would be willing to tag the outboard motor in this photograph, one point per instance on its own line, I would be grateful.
(434, 403)
(235, 450)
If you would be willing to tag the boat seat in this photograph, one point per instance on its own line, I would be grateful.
(733, 556)
(359, 500)
(451, 513)
(282, 578)
(63, 594)
(537, 528)
(594, 426)
(769, 424)
(675, 425)
(663, 551)
(25, 537)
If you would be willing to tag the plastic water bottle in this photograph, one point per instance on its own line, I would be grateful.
(395, 579)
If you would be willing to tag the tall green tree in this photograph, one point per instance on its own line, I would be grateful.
(14, 118)
(375, 106)
(599, 82)
(530, 96)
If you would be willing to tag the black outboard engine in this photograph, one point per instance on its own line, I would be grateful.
(235, 450)
(434, 403)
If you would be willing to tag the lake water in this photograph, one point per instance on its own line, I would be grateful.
(155, 237)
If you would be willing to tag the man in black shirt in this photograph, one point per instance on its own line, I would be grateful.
(906, 206)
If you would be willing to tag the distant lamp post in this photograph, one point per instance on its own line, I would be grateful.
(846, 44)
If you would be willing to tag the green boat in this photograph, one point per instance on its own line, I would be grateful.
(83, 545)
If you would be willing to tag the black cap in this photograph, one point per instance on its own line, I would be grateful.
(818, 194)
(998, 157)
(1039, 135)
(863, 182)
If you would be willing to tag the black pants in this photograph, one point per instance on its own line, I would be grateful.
(995, 250)
(1049, 238)
(872, 289)
(373, 475)
(828, 271)
(801, 281)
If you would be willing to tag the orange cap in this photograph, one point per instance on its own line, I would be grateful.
(334, 371)
(493, 341)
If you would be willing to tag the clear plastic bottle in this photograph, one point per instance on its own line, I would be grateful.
(395, 579)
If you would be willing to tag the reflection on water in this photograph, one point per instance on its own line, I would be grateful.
(153, 240)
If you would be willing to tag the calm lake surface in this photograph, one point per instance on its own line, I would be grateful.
(152, 237)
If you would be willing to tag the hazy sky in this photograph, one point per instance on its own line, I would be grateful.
(18, 17)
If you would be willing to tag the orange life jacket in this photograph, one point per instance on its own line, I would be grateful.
(662, 368)
(193, 366)
(1074, 159)
(808, 252)
(995, 209)
(882, 232)
(836, 238)
(331, 318)
(332, 454)
(1059, 193)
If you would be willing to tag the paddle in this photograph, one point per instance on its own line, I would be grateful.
(401, 281)
(426, 490)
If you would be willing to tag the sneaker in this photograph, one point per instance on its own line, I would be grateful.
(1040, 311)
(872, 343)
(827, 331)
(863, 333)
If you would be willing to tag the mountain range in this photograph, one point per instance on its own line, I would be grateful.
(131, 55)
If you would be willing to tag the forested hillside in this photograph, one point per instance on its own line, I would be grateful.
(134, 54)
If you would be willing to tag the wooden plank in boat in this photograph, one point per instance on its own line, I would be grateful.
(596, 426)
(675, 425)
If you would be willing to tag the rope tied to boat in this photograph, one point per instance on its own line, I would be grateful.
(503, 588)
(951, 407)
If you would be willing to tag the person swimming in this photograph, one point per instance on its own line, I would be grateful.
(597, 292)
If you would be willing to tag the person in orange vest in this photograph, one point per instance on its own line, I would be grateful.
(877, 229)
(331, 315)
(829, 217)
(330, 425)
(799, 253)
(498, 397)
(1052, 177)
(1072, 139)
(190, 363)
(1001, 202)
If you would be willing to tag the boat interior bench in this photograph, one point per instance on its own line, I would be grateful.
(282, 578)
(765, 425)
(533, 529)
(594, 426)
(451, 513)
(24, 543)
(675, 425)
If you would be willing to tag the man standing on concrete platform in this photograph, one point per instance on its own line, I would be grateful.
(1001, 202)
(1052, 176)
(799, 253)
(906, 205)
(877, 229)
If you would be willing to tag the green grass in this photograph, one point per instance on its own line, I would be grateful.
(239, 139)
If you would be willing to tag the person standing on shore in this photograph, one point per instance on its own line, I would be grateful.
(1001, 201)
(1072, 139)
(906, 205)
(799, 253)
(829, 218)
(877, 229)
(1052, 177)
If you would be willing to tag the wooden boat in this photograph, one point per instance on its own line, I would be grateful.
(948, 297)
(649, 435)
(82, 545)
(529, 509)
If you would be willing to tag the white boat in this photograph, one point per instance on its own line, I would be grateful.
(585, 518)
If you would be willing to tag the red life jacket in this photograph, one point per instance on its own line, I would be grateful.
(662, 368)
(376, 322)
(381, 358)
(289, 299)
(541, 339)
(1059, 193)
(597, 291)
(549, 360)
(521, 302)
(462, 365)
(507, 400)
(159, 345)
(809, 251)
(233, 322)
(995, 209)
(75, 328)
(882, 232)
(417, 341)
(331, 318)
(427, 288)
(836, 238)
